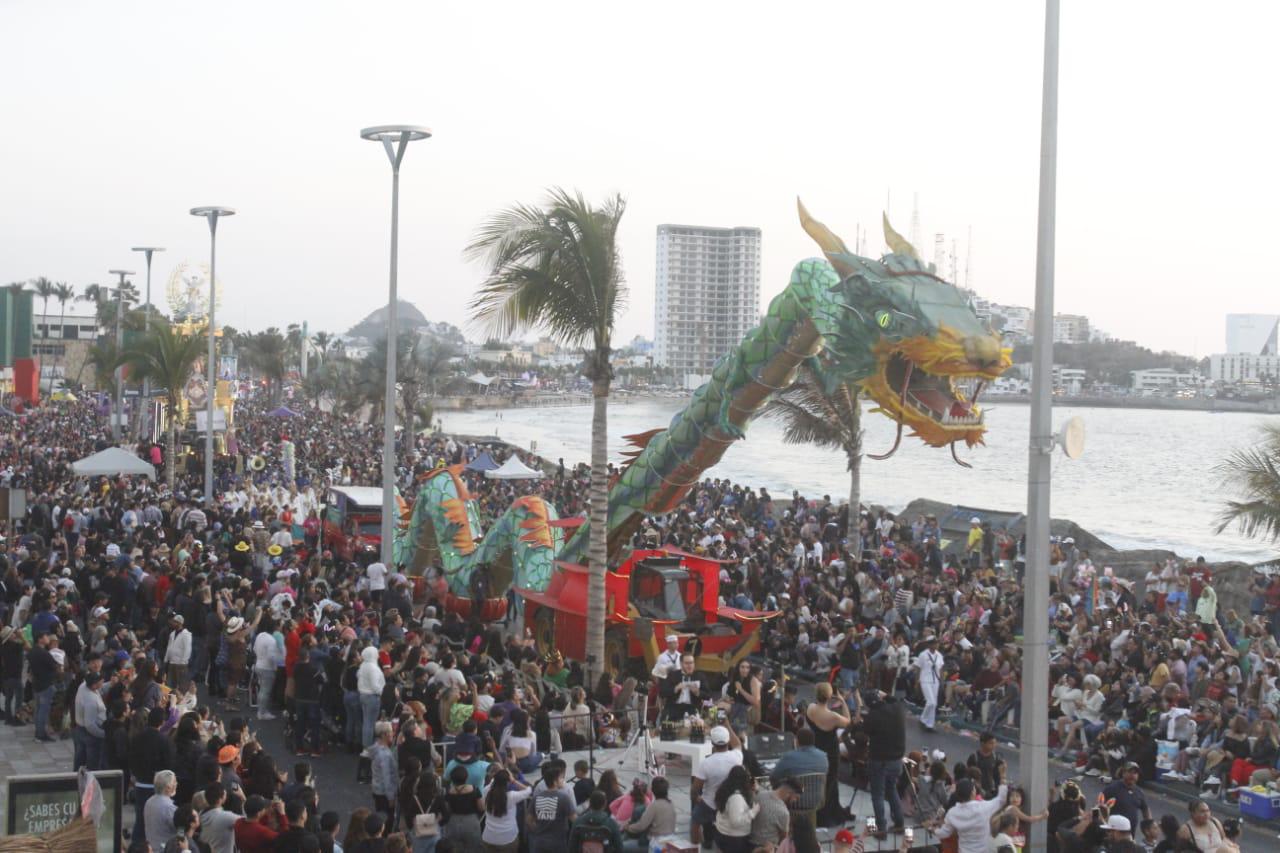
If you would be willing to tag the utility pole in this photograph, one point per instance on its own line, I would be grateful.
(1034, 734)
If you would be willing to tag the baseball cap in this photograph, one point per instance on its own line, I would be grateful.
(467, 744)
(255, 804)
(228, 754)
(1119, 823)
(719, 736)
(975, 520)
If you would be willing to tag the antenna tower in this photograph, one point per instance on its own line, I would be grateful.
(968, 259)
(939, 253)
(915, 219)
(954, 261)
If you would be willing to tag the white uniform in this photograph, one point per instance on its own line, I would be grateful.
(667, 661)
(929, 662)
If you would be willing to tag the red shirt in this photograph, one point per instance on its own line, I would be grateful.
(256, 836)
(162, 589)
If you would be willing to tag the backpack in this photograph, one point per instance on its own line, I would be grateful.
(593, 839)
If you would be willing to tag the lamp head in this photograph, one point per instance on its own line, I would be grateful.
(396, 132)
(121, 273)
(147, 249)
(213, 210)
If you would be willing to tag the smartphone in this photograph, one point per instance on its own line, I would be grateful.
(909, 834)
(871, 824)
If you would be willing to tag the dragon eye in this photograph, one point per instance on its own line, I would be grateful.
(884, 319)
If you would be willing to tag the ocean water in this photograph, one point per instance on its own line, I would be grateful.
(1147, 478)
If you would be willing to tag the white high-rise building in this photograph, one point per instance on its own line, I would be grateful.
(707, 294)
(1253, 334)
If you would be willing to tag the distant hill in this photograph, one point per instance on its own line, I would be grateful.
(409, 318)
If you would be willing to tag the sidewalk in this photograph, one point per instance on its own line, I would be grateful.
(22, 755)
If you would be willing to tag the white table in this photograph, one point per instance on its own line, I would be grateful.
(695, 751)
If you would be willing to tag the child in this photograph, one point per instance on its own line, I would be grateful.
(582, 782)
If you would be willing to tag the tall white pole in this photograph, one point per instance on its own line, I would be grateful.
(1035, 661)
(119, 407)
(211, 214)
(389, 404)
(212, 371)
(145, 403)
(395, 139)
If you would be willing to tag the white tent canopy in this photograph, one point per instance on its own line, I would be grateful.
(111, 461)
(480, 379)
(513, 469)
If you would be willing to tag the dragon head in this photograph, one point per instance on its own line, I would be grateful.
(909, 339)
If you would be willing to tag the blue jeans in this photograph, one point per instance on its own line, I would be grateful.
(883, 776)
(352, 729)
(849, 679)
(370, 703)
(44, 704)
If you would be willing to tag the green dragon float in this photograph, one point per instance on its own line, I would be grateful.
(891, 328)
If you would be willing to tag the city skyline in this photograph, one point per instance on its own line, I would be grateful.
(260, 107)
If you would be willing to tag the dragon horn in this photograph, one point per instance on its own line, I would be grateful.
(898, 244)
(832, 246)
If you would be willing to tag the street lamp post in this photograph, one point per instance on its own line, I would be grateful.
(146, 327)
(211, 213)
(395, 138)
(1035, 610)
(119, 406)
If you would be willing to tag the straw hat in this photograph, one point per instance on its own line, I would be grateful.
(242, 546)
(275, 550)
(235, 623)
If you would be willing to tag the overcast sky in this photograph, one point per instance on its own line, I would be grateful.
(116, 118)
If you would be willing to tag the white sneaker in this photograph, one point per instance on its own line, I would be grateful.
(1106, 780)
(1093, 771)
(1213, 780)
(266, 715)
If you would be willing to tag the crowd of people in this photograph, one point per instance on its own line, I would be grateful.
(156, 631)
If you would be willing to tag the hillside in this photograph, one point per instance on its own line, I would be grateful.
(408, 317)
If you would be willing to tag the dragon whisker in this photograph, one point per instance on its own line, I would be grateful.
(958, 460)
(892, 450)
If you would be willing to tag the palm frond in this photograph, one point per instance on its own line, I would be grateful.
(1254, 473)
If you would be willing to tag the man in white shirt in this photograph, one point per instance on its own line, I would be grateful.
(282, 537)
(377, 575)
(177, 655)
(668, 660)
(970, 820)
(266, 661)
(726, 754)
(929, 662)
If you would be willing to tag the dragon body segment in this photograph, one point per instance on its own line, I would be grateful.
(890, 326)
(444, 529)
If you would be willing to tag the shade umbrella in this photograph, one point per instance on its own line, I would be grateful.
(282, 412)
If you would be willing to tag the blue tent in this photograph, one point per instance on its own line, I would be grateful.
(282, 412)
(483, 462)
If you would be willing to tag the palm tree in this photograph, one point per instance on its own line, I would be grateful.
(45, 289)
(64, 293)
(422, 366)
(266, 352)
(167, 358)
(1255, 474)
(811, 415)
(322, 341)
(557, 268)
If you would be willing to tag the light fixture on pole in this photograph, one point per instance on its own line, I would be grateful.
(146, 327)
(211, 213)
(1034, 730)
(395, 138)
(119, 371)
